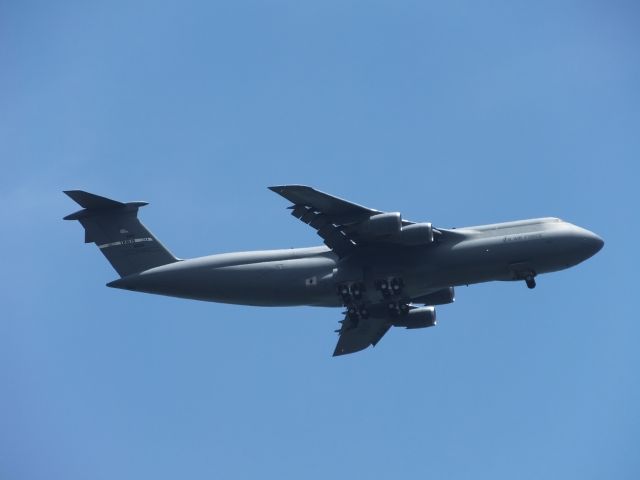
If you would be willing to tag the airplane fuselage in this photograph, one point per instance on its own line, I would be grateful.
(309, 276)
(385, 271)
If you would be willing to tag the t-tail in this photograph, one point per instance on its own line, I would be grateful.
(114, 227)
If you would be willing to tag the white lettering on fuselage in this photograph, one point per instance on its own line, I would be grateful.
(128, 241)
(521, 237)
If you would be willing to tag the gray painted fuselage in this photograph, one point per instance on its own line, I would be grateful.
(308, 276)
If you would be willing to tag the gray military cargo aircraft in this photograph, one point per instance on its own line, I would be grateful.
(384, 270)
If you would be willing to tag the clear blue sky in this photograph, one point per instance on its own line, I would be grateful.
(458, 113)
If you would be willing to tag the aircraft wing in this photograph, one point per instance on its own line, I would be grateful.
(336, 220)
(354, 338)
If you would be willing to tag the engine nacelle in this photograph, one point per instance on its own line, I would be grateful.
(381, 225)
(416, 234)
(421, 317)
(440, 297)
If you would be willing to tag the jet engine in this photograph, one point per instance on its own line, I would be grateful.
(388, 226)
(420, 317)
(381, 225)
(439, 297)
(416, 234)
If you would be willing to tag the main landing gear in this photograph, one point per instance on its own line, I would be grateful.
(353, 314)
(350, 292)
(356, 309)
(390, 286)
(391, 289)
(396, 309)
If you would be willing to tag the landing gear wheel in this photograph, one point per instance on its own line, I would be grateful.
(392, 308)
(356, 290)
(383, 286)
(530, 281)
(343, 291)
(396, 285)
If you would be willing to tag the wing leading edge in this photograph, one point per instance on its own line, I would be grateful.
(325, 213)
(336, 220)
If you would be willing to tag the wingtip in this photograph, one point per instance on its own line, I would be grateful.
(341, 350)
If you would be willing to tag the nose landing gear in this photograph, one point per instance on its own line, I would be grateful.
(530, 280)
(523, 271)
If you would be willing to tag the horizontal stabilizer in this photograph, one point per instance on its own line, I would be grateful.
(93, 204)
(91, 200)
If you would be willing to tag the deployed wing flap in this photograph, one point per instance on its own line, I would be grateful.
(355, 338)
(333, 236)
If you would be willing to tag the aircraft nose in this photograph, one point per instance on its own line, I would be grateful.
(592, 243)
